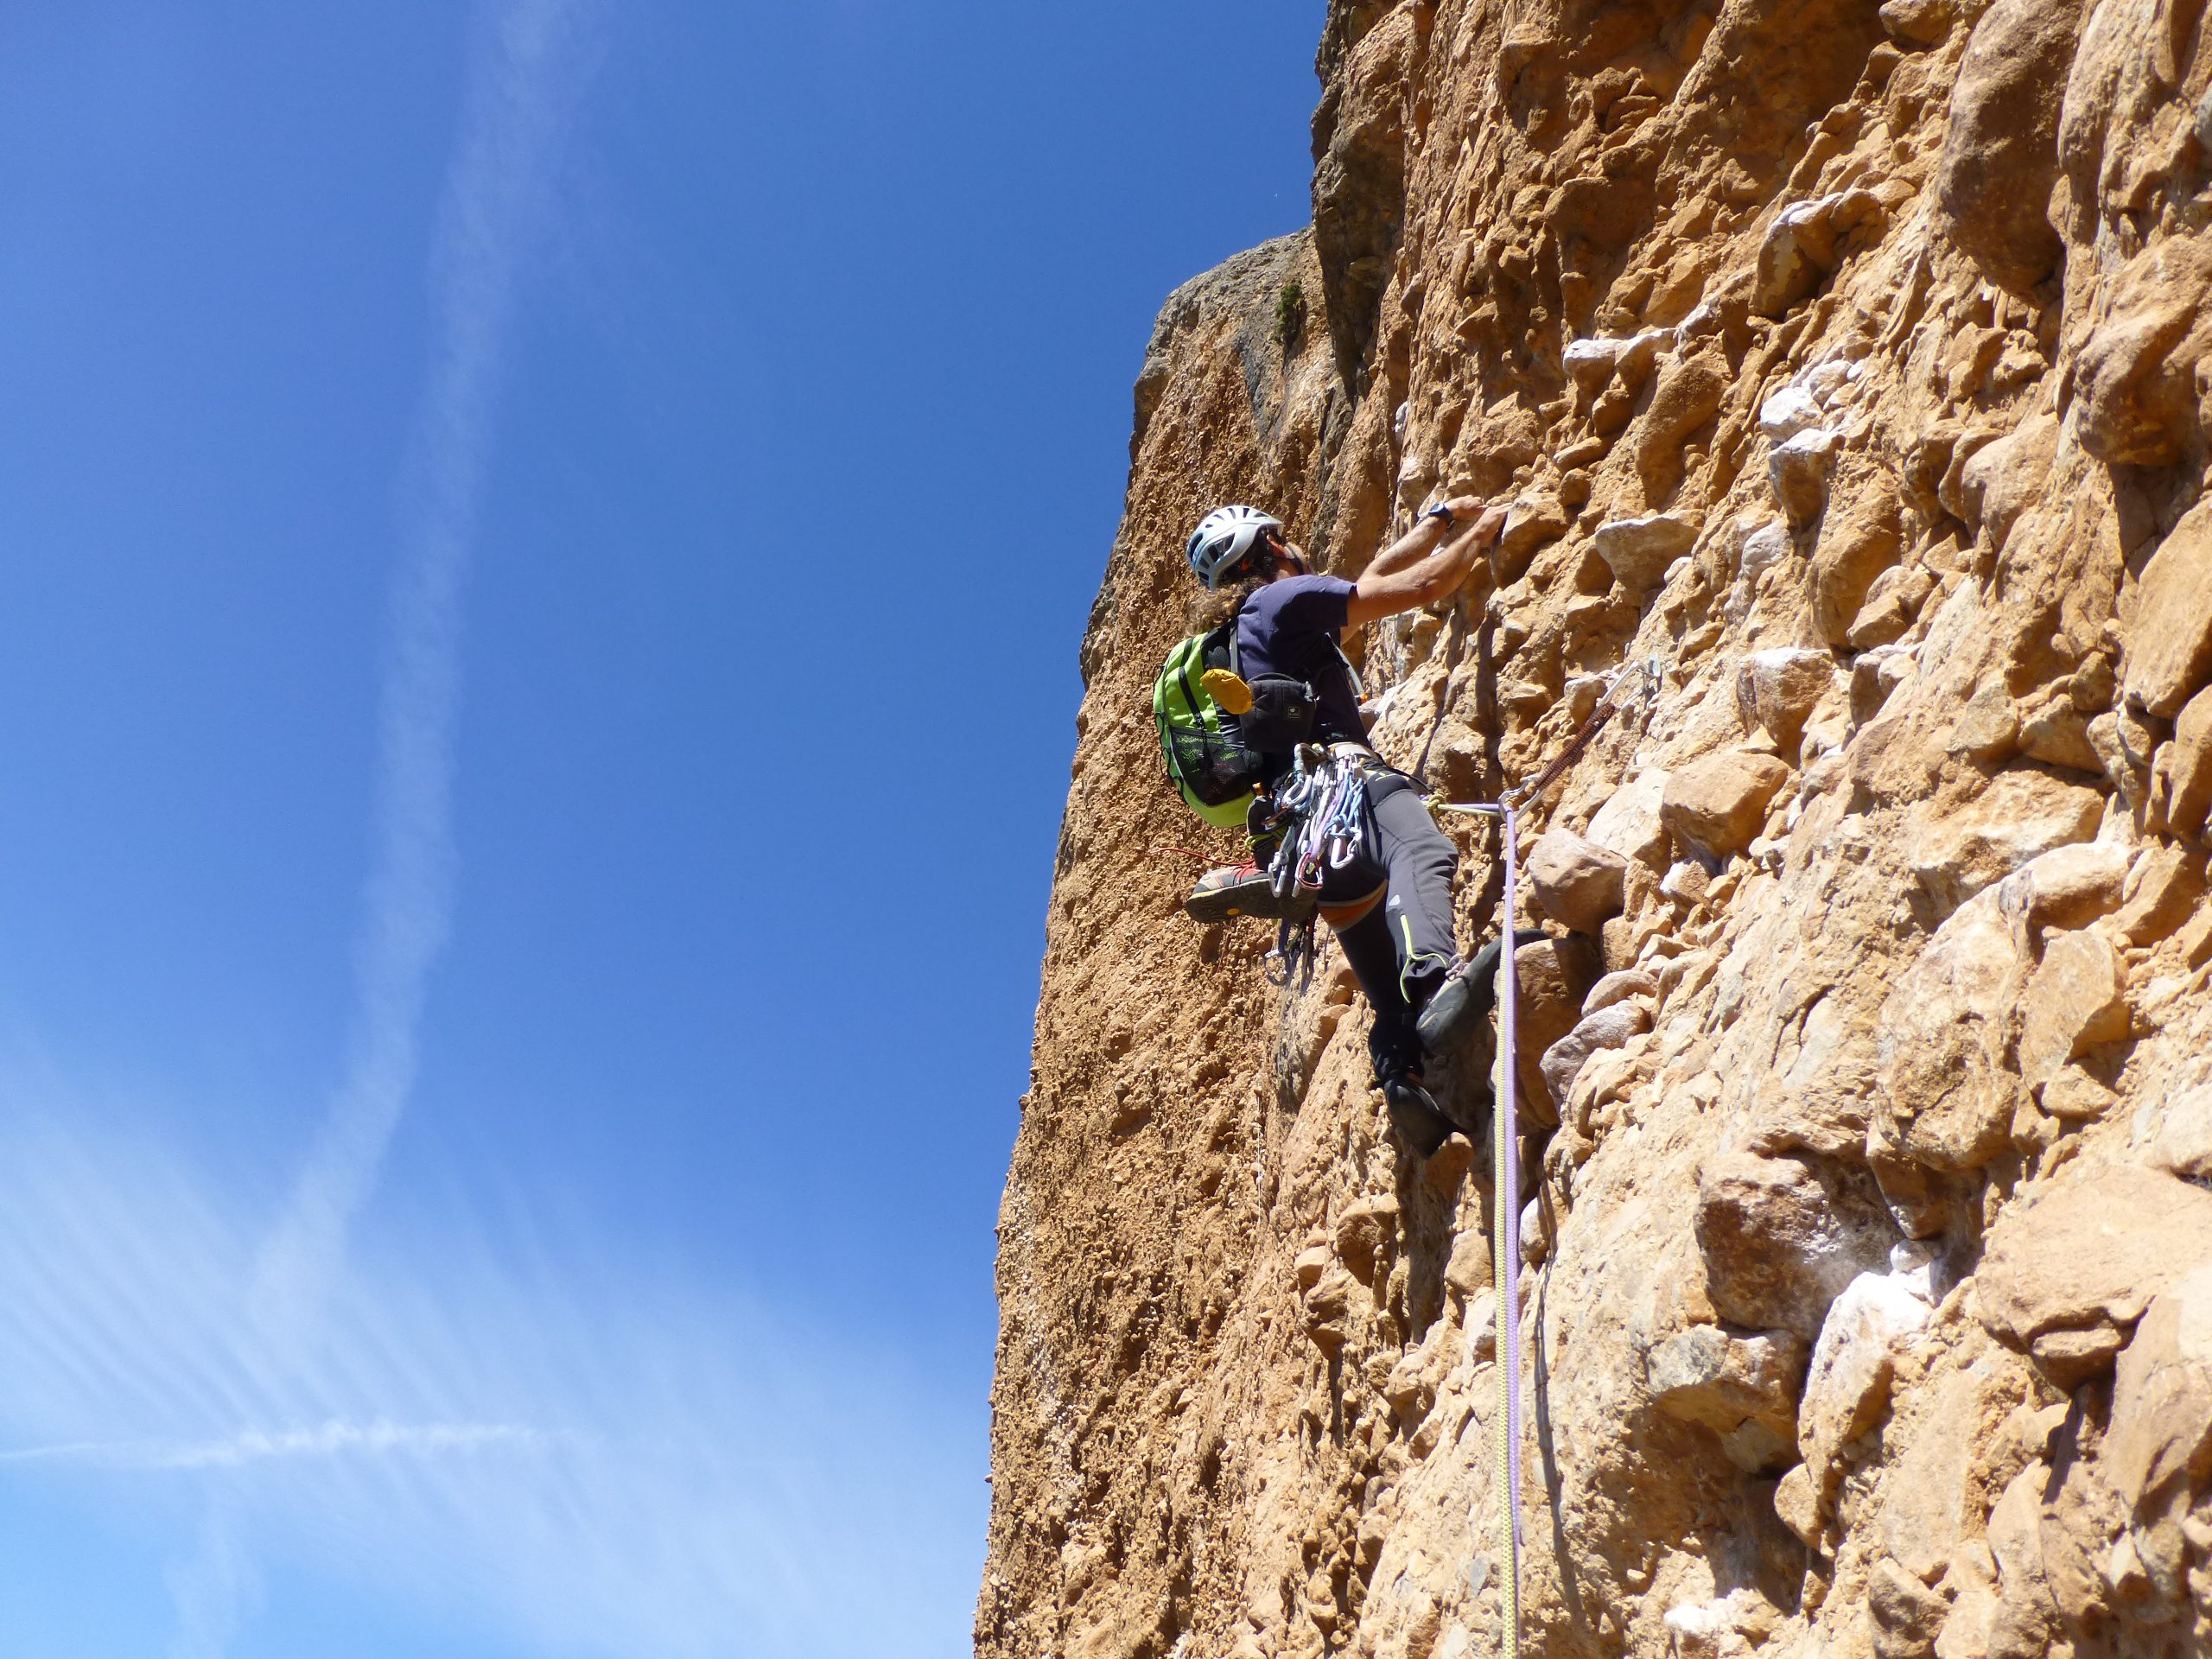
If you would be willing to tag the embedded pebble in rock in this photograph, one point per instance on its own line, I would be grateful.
(1717, 804)
(1555, 975)
(1853, 1361)
(1847, 374)
(2075, 1095)
(1893, 602)
(1799, 469)
(1633, 362)
(1860, 535)
(1364, 1232)
(2076, 999)
(1798, 252)
(2180, 1141)
(2007, 475)
(1947, 1097)
(1532, 521)
(1906, 1615)
(1687, 883)
(1764, 548)
(1743, 1388)
(1920, 23)
(1629, 823)
(2068, 887)
(2067, 1275)
(1789, 411)
(1576, 882)
(2020, 817)
(1988, 727)
(1777, 1249)
(1590, 362)
(2161, 1433)
(1617, 988)
(1638, 550)
(1609, 1027)
(1999, 156)
(2169, 655)
(2163, 888)
(1775, 689)
(2188, 772)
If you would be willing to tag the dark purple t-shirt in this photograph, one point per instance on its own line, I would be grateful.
(1291, 627)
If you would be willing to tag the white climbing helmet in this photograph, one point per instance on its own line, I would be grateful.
(1224, 540)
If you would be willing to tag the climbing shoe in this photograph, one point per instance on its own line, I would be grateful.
(1393, 1049)
(1470, 986)
(1242, 890)
(1414, 1114)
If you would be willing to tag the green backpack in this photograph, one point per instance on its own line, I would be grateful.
(1211, 765)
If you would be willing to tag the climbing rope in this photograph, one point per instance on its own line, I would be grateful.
(1505, 1236)
(1506, 1115)
(1505, 1157)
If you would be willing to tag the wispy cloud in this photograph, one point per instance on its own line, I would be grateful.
(530, 1435)
(333, 1438)
(532, 60)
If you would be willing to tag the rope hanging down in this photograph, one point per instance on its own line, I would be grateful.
(1505, 1159)
(1505, 1231)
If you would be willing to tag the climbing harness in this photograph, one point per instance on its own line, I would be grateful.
(1328, 797)
(1505, 1158)
(1328, 854)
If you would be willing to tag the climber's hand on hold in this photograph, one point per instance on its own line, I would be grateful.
(1437, 525)
(1381, 593)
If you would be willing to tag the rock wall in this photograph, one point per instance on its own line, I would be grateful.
(1847, 370)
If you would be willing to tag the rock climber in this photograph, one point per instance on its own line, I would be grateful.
(1399, 938)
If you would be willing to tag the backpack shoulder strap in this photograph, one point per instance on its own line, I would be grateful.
(1223, 637)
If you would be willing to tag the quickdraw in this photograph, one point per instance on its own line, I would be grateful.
(1321, 810)
(1322, 803)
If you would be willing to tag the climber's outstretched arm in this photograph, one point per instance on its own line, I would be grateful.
(1377, 594)
(1427, 535)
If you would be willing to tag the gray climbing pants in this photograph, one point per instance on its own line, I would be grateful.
(1399, 949)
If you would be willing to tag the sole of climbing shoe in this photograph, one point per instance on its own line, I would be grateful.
(1252, 898)
(1450, 1016)
(1416, 1117)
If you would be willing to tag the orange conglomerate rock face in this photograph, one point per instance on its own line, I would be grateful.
(1846, 371)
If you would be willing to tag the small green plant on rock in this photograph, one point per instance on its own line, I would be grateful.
(1290, 316)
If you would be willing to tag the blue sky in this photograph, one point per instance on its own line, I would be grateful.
(542, 550)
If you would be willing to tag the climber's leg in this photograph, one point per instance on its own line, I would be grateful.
(1365, 932)
(1422, 861)
(1392, 1044)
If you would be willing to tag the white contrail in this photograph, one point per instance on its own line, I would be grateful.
(522, 89)
(333, 1439)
